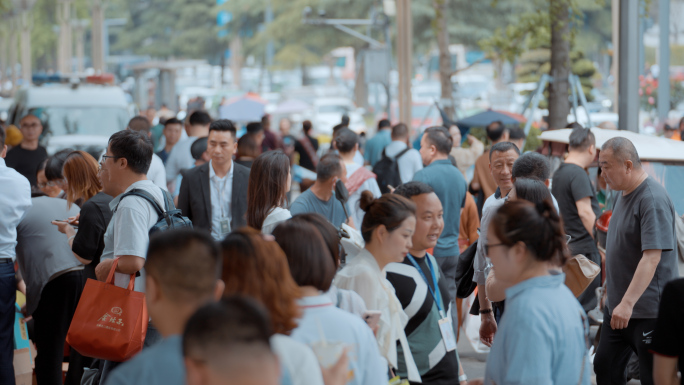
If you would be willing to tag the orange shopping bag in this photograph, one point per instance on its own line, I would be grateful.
(110, 322)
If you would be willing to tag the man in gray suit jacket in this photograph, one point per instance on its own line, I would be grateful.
(214, 195)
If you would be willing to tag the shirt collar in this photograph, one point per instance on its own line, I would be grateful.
(552, 280)
(441, 161)
(366, 256)
(313, 302)
(212, 174)
(2, 162)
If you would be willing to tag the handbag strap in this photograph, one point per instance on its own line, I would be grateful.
(110, 277)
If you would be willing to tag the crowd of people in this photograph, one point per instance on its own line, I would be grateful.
(354, 281)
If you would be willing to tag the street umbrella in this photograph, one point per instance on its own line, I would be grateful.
(291, 106)
(483, 119)
(246, 108)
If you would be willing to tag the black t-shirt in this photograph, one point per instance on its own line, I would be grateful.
(304, 158)
(570, 184)
(26, 162)
(89, 241)
(668, 338)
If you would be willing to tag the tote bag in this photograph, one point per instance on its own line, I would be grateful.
(110, 322)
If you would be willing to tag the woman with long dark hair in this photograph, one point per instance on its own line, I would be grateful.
(387, 229)
(269, 182)
(321, 322)
(543, 335)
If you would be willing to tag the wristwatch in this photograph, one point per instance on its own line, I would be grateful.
(462, 378)
(485, 311)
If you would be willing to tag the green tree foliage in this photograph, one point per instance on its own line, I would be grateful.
(171, 28)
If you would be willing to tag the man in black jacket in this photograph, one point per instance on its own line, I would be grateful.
(214, 196)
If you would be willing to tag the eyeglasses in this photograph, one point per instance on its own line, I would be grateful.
(487, 246)
(104, 158)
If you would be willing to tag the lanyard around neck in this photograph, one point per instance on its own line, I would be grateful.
(436, 294)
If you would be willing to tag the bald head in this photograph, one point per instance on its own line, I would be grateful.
(623, 150)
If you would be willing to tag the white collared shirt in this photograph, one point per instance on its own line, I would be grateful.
(221, 197)
(15, 200)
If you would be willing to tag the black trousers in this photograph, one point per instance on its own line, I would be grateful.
(8, 296)
(52, 318)
(616, 347)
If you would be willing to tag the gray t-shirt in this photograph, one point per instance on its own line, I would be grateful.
(642, 220)
(332, 210)
(43, 252)
(128, 231)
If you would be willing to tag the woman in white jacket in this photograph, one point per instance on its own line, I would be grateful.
(269, 182)
(387, 229)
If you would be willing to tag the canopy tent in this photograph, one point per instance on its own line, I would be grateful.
(483, 119)
(246, 108)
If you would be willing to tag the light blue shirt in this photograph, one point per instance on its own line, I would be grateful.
(179, 158)
(375, 145)
(369, 367)
(541, 336)
(15, 200)
(221, 195)
(160, 364)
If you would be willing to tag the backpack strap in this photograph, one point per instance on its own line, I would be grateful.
(148, 197)
(402, 153)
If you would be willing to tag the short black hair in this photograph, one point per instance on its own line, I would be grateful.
(172, 121)
(199, 118)
(581, 139)
(329, 166)
(345, 140)
(139, 123)
(306, 126)
(384, 123)
(439, 137)
(198, 147)
(135, 147)
(223, 125)
(227, 325)
(573, 125)
(532, 165)
(495, 130)
(55, 164)
(254, 127)
(503, 147)
(413, 188)
(400, 131)
(3, 135)
(181, 278)
(516, 133)
(623, 149)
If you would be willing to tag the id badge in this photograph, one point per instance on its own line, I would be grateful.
(225, 226)
(447, 334)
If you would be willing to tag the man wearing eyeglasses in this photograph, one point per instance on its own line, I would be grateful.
(27, 156)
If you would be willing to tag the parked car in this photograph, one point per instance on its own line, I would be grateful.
(328, 113)
(82, 117)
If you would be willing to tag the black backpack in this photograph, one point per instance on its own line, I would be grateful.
(387, 171)
(169, 218)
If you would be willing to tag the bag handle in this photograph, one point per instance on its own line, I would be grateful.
(110, 277)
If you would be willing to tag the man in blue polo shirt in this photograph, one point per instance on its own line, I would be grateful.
(450, 186)
(375, 145)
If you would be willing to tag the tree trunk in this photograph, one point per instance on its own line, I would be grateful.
(360, 86)
(559, 106)
(440, 26)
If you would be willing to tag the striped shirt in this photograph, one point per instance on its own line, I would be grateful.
(435, 364)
